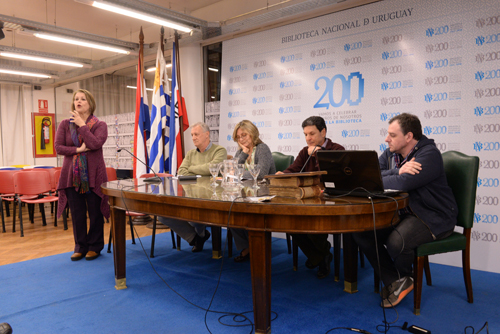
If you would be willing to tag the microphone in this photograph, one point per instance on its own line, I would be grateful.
(155, 179)
(315, 147)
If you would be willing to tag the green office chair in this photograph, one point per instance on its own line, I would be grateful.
(282, 161)
(461, 172)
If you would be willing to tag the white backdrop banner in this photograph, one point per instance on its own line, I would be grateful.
(439, 60)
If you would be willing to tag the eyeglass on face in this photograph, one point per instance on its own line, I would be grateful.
(242, 136)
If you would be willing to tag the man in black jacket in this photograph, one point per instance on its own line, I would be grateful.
(413, 164)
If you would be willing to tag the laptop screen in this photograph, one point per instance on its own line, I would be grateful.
(348, 170)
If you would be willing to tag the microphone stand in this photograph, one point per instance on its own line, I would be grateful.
(315, 147)
(155, 179)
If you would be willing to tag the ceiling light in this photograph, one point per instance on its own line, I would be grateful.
(80, 43)
(151, 69)
(29, 74)
(140, 16)
(213, 69)
(134, 87)
(40, 59)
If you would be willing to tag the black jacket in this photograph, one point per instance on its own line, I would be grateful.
(431, 199)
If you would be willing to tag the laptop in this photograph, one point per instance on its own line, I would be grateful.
(356, 173)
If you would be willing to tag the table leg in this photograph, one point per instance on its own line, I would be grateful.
(260, 264)
(118, 227)
(350, 263)
(216, 242)
(336, 257)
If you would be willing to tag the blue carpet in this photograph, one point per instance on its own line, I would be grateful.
(55, 295)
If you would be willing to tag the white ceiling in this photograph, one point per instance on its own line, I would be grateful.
(73, 15)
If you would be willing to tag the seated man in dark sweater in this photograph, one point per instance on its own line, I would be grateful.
(315, 246)
(413, 164)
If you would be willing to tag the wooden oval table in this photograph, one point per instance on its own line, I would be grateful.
(198, 201)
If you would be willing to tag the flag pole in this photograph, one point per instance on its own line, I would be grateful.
(162, 33)
(180, 102)
(141, 57)
(141, 53)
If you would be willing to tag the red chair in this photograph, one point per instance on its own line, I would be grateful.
(57, 175)
(131, 214)
(30, 185)
(7, 194)
(31, 207)
(111, 173)
(52, 172)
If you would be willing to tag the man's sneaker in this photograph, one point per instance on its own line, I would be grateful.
(397, 291)
(385, 291)
(5, 328)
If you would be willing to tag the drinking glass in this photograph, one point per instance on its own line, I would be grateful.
(241, 171)
(254, 171)
(214, 170)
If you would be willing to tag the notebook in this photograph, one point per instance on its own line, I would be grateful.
(349, 171)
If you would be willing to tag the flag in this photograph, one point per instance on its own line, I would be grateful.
(158, 115)
(141, 128)
(174, 145)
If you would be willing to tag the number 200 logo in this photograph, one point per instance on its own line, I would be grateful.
(340, 86)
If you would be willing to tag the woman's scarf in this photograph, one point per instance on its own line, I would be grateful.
(80, 170)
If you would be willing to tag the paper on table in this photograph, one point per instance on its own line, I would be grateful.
(260, 199)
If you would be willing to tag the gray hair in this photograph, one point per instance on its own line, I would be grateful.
(204, 126)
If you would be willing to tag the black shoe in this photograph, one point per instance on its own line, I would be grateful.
(199, 242)
(242, 258)
(310, 264)
(5, 328)
(324, 266)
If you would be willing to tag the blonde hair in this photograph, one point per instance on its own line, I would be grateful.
(88, 96)
(249, 127)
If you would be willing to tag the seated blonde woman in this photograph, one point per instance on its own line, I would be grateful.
(251, 151)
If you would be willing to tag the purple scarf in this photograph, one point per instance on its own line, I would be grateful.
(80, 170)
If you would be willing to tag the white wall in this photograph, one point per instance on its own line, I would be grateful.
(191, 57)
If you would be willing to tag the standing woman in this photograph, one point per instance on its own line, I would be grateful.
(80, 139)
(251, 151)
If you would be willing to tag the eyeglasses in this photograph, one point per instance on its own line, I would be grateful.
(243, 135)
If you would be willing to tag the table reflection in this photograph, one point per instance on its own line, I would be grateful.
(201, 188)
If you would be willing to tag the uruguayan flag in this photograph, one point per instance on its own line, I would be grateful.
(158, 115)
